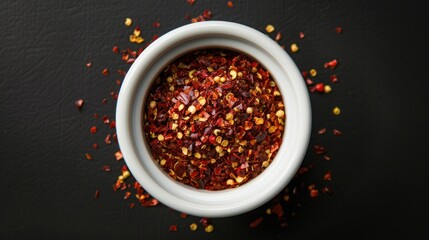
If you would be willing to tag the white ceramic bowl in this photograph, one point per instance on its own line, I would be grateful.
(151, 62)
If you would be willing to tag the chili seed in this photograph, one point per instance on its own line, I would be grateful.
(128, 22)
(269, 28)
(336, 111)
(193, 226)
(118, 155)
(294, 48)
(327, 89)
(209, 228)
(313, 72)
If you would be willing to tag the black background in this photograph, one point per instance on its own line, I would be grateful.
(379, 164)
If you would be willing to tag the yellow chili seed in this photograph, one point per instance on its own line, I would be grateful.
(313, 72)
(294, 48)
(193, 226)
(128, 22)
(179, 135)
(160, 137)
(219, 139)
(225, 143)
(229, 116)
(259, 121)
(336, 111)
(202, 101)
(280, 113)
(185, 151)
(239, 179)
(230, 182)
(152, 104)
(126, 174)
(249, 110)
(169, 79)
(233, 74)
(328, 89)
(192, 109)
(269, 28)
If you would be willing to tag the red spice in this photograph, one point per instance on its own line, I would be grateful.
(97, 194)
(320, 87)
(336, 132)
(256, 222)
(93, 130)
(107, 139)
(104, 101)
(112, 124)
(327, 176)
(88, 156)
(327, 158)
(230, 4)
(118, 155)
(327, 190)
(95, 146)
(206, 119)
(314, 193)
(173, 228)
(106, 168)
(183, 215)
(204, 221)
(333, 78)
(321, 131)
(331, 64)
(105, 72)
(115, 49)
(278, 36)
(339, 30)
(156, 24)
(88, 64)
(278, 210)
(132, 205)
(301, 35)
(190, 2)
(127, 195)
(79, 104)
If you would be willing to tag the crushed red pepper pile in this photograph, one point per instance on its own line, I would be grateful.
(214, 119)
(131, 189)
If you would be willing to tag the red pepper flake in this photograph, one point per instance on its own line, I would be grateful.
(256, 222)
(278, 37)
(173, 228)
(132, 205)
(95, 146)
(339, 30)
(118, 82)
(105, 72)
(327, 158)
(112, 124)
(333, 78)
(106, 168)
(284, 224)
(327, 190)
(183, 215)
(278, 210)
(190, 2)
(314, 193)
(96, 115)
(93, 129)
(79, 104)
(106, 119)
(336, 132)
(207, 14)
(319, 149)
(331, 64)
(321, 131)
(88, 156)
(156, 24)
(88, 64)
(97, 194)
(327, 176)
(104, 101)
(320, 87)
(115, 49)
(204, 221)
(107, 139)
(118, 155)
(230, 4)
(121, 72)
(127, 195)
(301, 35)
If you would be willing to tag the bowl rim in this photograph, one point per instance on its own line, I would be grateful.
(220, 34)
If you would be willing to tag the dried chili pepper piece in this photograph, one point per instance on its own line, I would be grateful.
(256, 222)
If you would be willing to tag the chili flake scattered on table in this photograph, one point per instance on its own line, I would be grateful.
(214, 119)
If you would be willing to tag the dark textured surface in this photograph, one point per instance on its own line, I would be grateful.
(379, 165)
